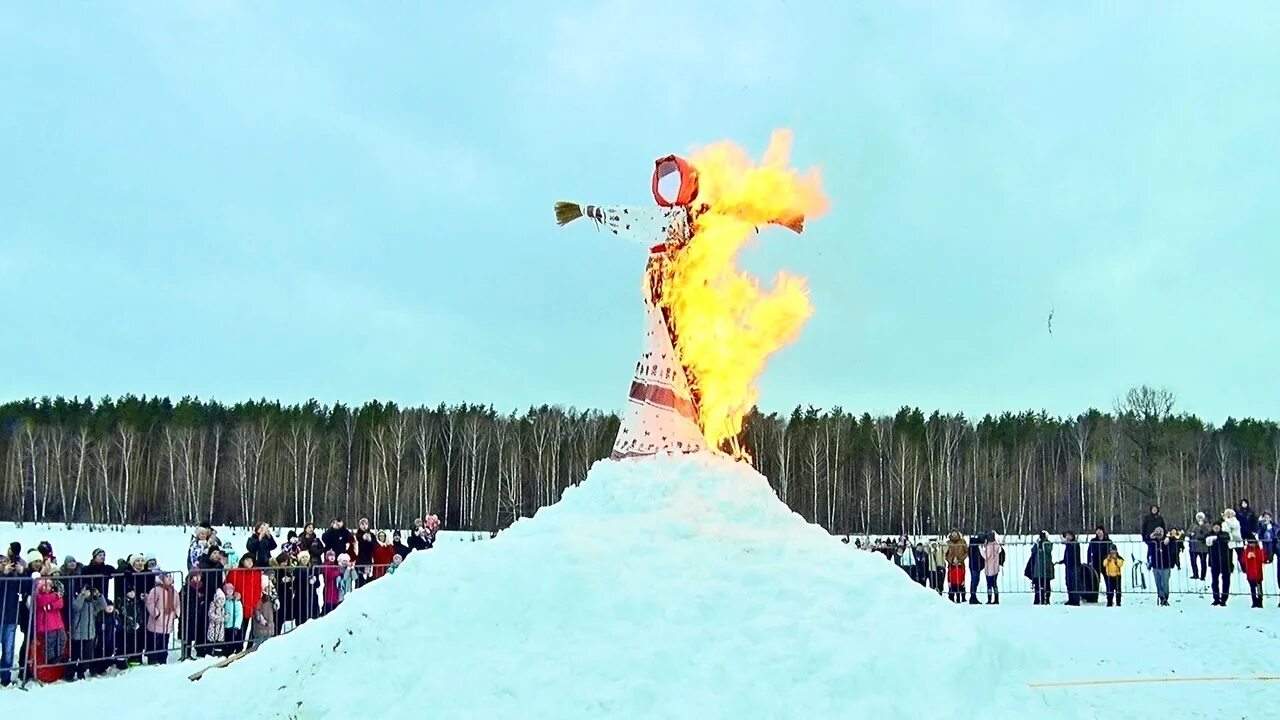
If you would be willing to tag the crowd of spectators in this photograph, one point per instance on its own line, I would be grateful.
(1237, 541)
(87, 619)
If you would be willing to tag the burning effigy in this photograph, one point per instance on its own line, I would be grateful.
(709, 326)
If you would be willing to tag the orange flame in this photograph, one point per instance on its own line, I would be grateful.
(728, 325)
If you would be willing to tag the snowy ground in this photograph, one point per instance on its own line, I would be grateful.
(685, 589)
(1140, 640)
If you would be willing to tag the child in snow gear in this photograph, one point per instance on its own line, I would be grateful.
(51, 634)
(233, 621)
(162, 613)
(111, 635)
(216, 623)
(1112, 573)
(264, 617)
(86, 606)
(1252, 560)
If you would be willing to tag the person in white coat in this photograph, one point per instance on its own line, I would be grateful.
(1231, 526)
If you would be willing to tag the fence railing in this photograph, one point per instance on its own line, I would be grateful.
(67, 627)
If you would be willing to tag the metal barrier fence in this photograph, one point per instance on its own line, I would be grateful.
(1178, 571)
(67, 627)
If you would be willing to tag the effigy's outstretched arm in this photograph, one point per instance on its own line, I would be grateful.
(645, 225)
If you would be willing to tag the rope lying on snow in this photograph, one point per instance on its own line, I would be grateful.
(1143, 681)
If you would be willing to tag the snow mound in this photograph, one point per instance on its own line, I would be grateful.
(667, 587)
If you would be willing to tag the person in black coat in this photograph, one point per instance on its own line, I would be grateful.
(309, 542)
(366, 541)
(1221, 564)
(98, 573)
(261, 545)
(337, 538)
(110, 641)
(397, 544)
(976, 563)
(194, 622)
(1151, 521)
(132, 586)
(1248, 519)
(422, 540)
(1071, 567)
(306, 582)
(1092, 573)
(1099, 547)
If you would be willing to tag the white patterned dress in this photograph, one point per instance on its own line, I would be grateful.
(662, 410)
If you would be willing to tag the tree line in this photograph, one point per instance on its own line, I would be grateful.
(148, 460)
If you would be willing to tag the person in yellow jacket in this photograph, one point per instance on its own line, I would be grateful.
(1113, 573)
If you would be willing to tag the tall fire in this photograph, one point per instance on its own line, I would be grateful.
(709, 326)
(729, 323)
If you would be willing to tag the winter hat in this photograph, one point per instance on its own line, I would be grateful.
(69, 560)
(344, 559)
(304, 557)
(1200, 517)
(97, 552)
(1157, 533)
(396, 558)
(34, 556)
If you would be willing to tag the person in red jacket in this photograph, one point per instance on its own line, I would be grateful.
(382, 555)
(1252, 559)
(51, 633)
(247, 580)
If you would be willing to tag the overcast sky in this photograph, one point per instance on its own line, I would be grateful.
(353, 201)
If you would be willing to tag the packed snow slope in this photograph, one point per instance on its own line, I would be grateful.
(671, 587)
